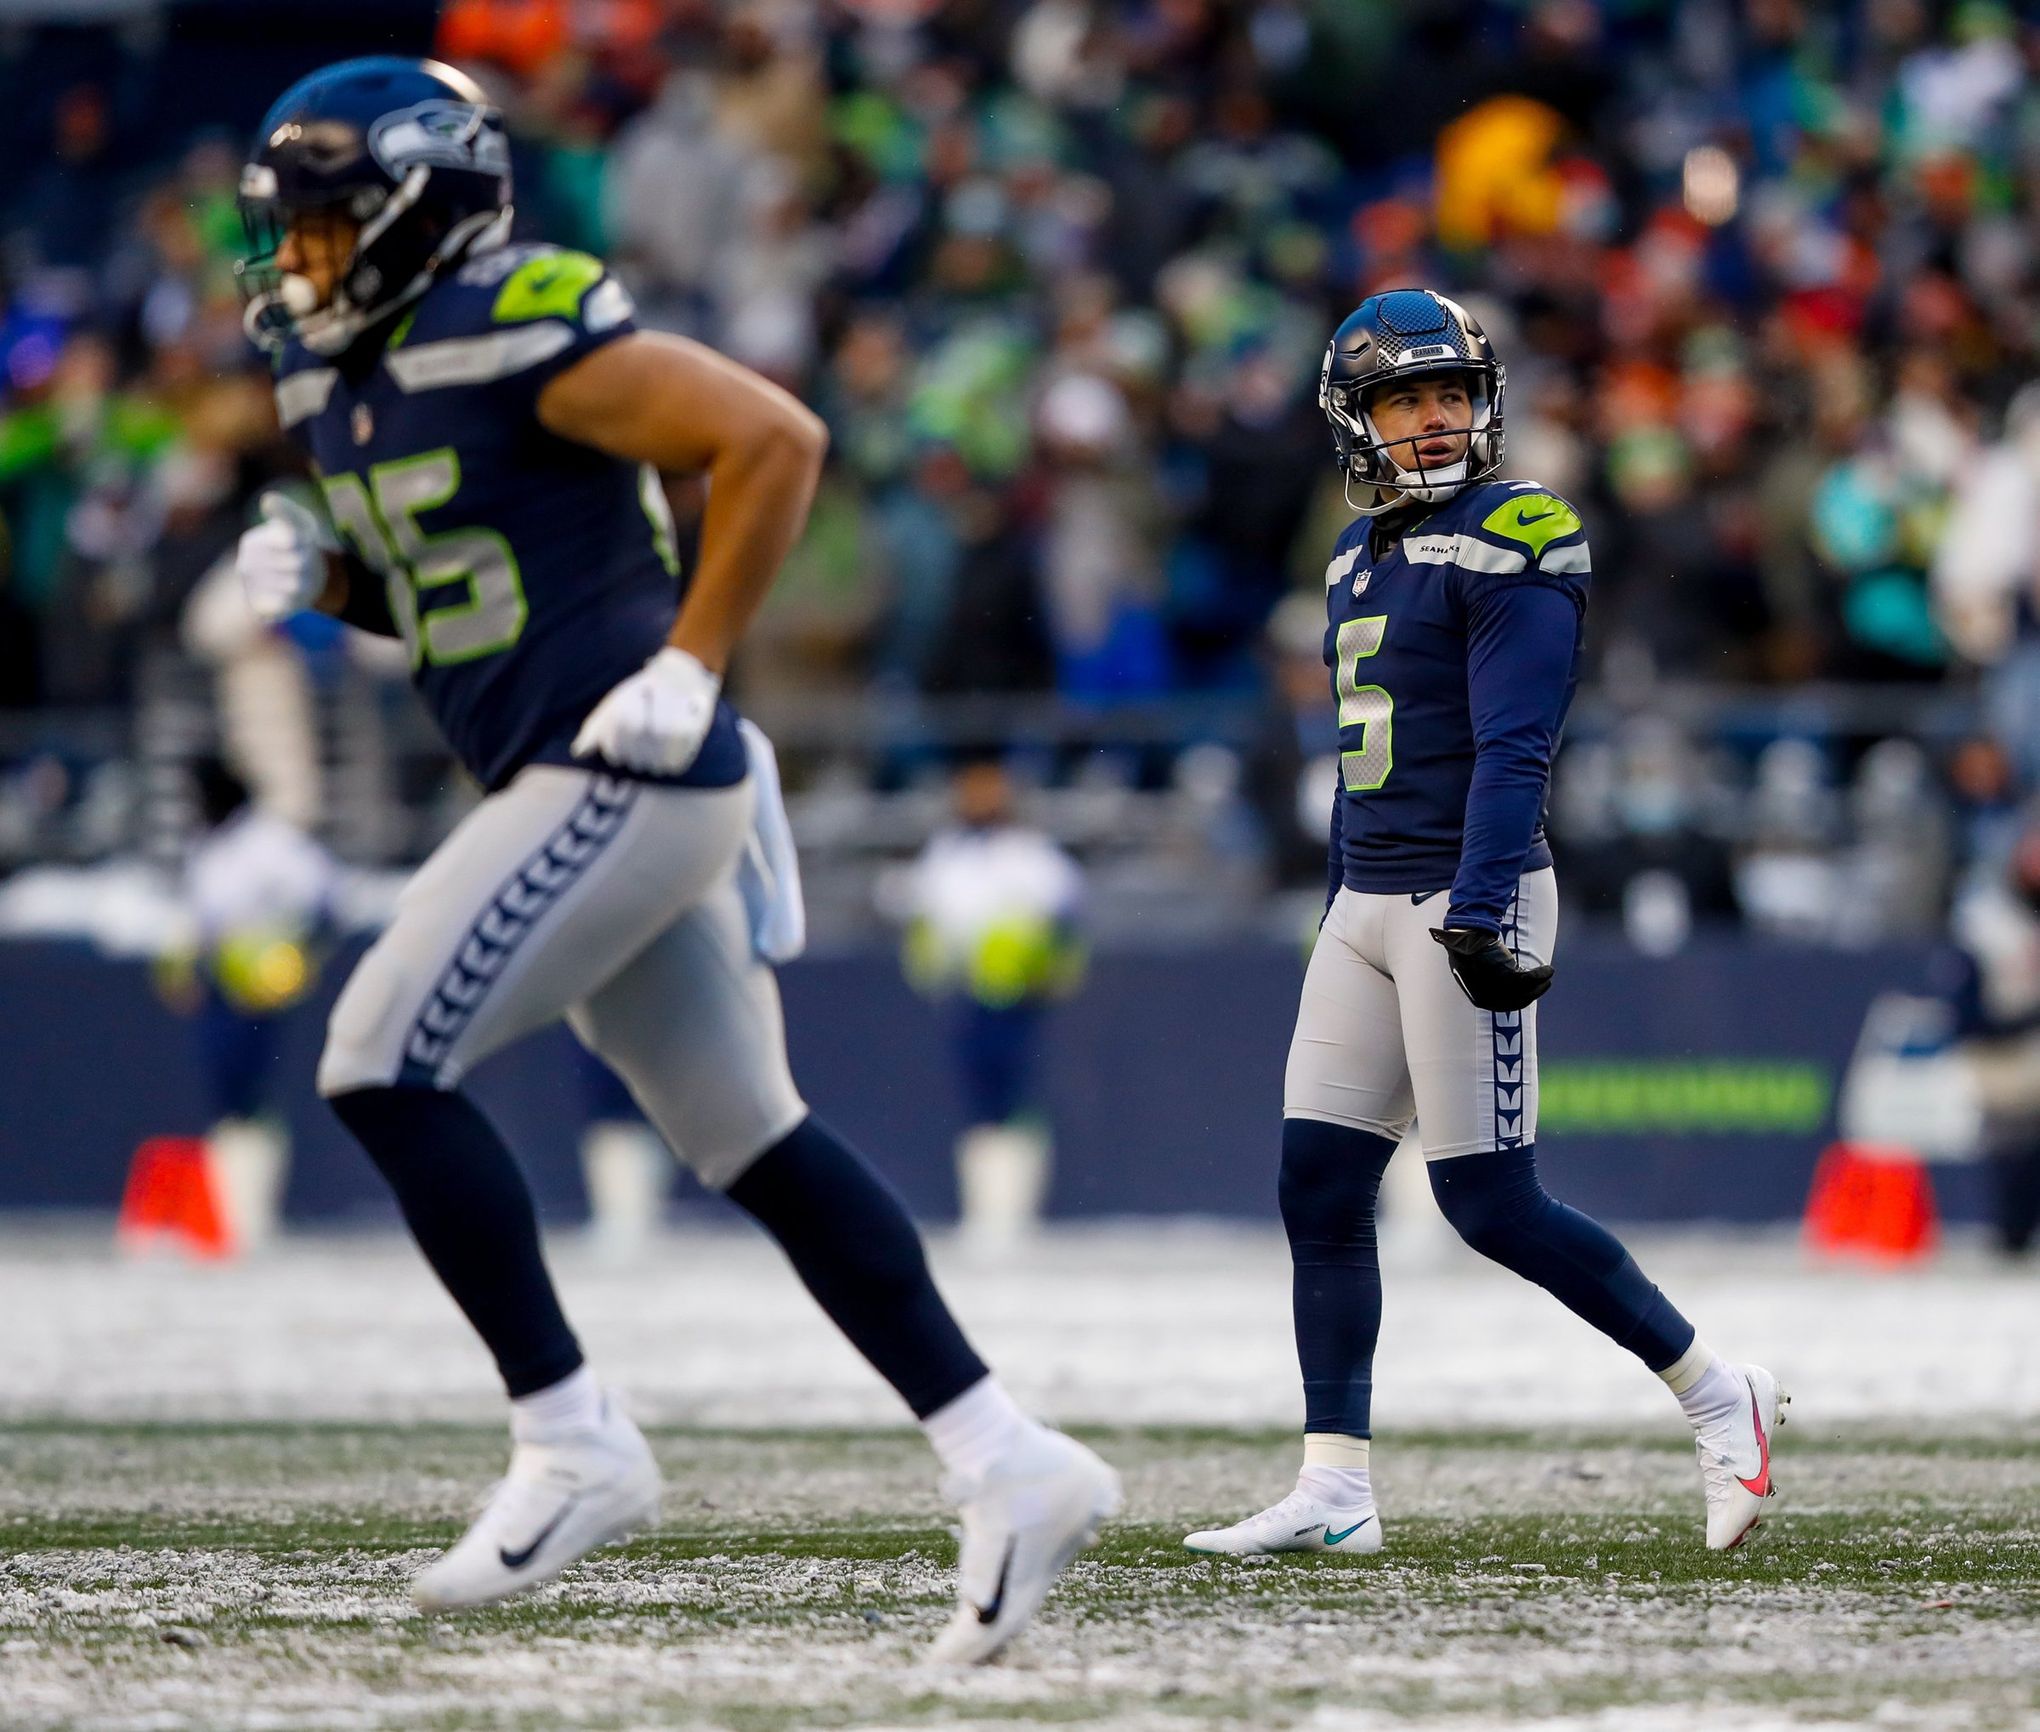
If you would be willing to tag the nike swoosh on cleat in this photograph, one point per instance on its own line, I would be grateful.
(1332, 1539)
(1760, 1486)
(517, 1560)
(989, 1611)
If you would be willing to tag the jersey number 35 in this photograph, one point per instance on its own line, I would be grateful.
(456, 595)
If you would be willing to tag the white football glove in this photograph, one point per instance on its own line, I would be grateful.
(282, 560)
(654, 721)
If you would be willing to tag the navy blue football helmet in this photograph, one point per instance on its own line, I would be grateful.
(1406, 334)
(410, 152)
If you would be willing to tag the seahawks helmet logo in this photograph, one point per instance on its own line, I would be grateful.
(439, 134)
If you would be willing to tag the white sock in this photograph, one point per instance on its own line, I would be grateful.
(1708, 1387)
(1335, 1470)
(1341, 1487)
(973, 1432)
(572, 1404)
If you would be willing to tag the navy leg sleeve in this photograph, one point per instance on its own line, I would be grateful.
(849, 1239)
(467, 1205)
(1331, 1175)
(1503, 1211)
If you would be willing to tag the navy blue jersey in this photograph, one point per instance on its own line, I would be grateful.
(1454, 657)
(526, 574)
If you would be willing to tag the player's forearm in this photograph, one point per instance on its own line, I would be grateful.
(339, 583)
(356, 596)
(685, 410)
(758, 500)
(1503, 805)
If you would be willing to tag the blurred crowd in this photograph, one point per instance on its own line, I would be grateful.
(1059, 274)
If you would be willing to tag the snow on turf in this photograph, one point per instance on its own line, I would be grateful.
(717, 1627)
(1134, 1324)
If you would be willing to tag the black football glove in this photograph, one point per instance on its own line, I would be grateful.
(1487, 973)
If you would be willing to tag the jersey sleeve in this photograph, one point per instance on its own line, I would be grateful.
(523, 321)
(1522, 589)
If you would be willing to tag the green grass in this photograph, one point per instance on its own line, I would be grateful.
(220, 1576)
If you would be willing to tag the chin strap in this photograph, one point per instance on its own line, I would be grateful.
(1385, 498)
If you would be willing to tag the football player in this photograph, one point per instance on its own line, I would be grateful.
(489, 429)
(1456, 602)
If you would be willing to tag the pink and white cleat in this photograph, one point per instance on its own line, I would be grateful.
(1735, 1461)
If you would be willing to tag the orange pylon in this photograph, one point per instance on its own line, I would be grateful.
(1872, 1202)
(170, 1199)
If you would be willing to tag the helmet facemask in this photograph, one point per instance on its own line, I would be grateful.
(1395, 470)
(280, 304)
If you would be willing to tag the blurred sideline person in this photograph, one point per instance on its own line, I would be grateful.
(490, 428)
(1456, 604)
(625, 1168)
(260, 896)
(263, 691)
(992, 908)
(1996, 996)
(1986, 579)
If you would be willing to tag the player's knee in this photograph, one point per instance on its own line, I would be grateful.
(1331, 1175)
(374, 1112)
(722, 1155)
(1490, 1199)
(1308, 1095)
(364, 1041)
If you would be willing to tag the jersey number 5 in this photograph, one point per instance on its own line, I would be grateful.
(381, 520)
(1368, 708)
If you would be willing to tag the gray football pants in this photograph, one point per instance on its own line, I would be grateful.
(1384, 1035)
(614, 903)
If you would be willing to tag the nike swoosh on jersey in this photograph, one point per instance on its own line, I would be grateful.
(989, 1611)
(1332, 1539)
(517, 1560)
(1760, 1484)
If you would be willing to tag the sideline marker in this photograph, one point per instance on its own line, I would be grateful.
(170, 1199)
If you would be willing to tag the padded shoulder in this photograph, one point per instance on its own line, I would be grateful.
(523, 312)
(518, 285)
(1530, 521)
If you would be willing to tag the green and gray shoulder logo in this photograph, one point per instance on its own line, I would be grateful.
(548, 286)
(1534, 519)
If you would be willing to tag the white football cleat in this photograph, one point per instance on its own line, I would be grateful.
(559, 1501)
(1022, 1523)
(1735, 1460)
(1299, 1523)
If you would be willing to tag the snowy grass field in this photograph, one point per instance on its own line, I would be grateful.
(216, 1482)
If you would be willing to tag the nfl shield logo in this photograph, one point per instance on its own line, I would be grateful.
(1360, 583)
(364, 424)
